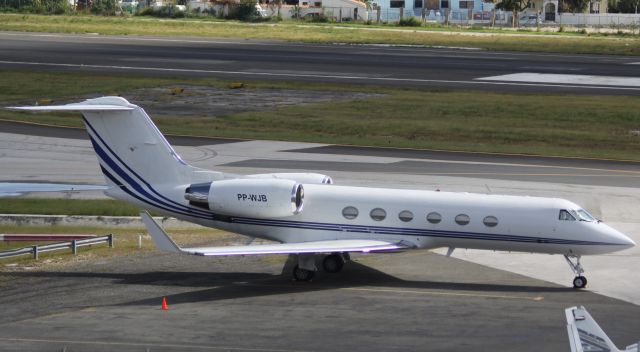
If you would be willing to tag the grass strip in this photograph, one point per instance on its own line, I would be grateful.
(125, 243)
(46, 206)
(541, 124)
(323, 33)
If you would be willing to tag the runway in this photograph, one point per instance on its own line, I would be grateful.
(388, 302)
(353, 64)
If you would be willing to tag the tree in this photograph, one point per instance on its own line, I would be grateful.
(243, 11)
(514, 6)
(573, 6)
(628, 6)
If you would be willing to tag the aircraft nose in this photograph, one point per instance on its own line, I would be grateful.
(629, 242)
(623, 240)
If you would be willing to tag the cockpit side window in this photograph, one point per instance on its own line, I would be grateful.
(565, 215)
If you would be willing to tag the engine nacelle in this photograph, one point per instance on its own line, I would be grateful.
(300, 177)
(261, 198)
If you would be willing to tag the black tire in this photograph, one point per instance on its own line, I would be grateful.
(580, 282)
(300, 274)
(333, 263)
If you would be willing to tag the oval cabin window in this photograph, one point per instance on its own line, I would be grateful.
(405, 216)
(490, 221)
(350, 213)
(434, 217)
(462, 219)
(378, 214)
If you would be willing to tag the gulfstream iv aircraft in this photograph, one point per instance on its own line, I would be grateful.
(311, 217)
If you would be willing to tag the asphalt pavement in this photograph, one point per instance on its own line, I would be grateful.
(413, 301)
(331, 158)
(354, 64)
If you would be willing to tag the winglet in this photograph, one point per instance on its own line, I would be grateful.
(160, 238)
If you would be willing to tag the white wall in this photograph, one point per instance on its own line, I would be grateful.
(602, 19)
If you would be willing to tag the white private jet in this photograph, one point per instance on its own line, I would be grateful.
(585, 335)
(310, 216)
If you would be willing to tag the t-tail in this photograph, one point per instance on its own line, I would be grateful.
(135, 158)
(585, 335)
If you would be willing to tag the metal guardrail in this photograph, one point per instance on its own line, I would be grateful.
(73, 245)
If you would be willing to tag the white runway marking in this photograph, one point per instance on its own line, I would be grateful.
(476, 81)
(633, 63)
(566, 79)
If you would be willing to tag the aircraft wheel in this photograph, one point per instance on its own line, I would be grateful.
(300, 274)
(333, 263)
(580, 282)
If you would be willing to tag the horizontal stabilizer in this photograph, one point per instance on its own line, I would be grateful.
(73, 107)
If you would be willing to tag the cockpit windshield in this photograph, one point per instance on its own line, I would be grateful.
(573, 215)
(583, 215)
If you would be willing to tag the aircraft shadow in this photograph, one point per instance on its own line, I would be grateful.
(234, 285)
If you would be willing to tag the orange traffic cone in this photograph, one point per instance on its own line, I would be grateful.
(164, 304)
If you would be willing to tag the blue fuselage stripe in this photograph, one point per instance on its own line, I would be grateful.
(124, 174)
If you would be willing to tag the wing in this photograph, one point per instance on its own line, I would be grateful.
(364, 246)
(164, 242)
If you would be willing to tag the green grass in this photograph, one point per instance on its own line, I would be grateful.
(46, 206)
(587, 126)
(324, 33)
(542, 124)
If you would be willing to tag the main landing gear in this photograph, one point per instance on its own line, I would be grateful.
(579, 281)
(306, 268)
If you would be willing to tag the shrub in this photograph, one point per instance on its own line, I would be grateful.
(168, 11)
(103, 7)
(317, 18)
(54, 7)
(410, 22)
(244, 11)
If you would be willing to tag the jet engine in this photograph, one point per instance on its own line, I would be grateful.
(261, 198)
(300, 177)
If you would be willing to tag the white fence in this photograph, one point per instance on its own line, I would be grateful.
(599, 20)
(504, 18)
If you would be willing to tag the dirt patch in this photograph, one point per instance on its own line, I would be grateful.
(215, 101)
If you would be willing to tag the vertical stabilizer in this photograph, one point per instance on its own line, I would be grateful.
(131, 150)
(138, 163)
(130, 146)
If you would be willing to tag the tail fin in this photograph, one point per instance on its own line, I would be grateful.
(586, 335)
(130, 148)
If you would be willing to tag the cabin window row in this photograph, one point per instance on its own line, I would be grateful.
(379, 214)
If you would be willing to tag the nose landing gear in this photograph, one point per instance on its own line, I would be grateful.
(579, 281)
